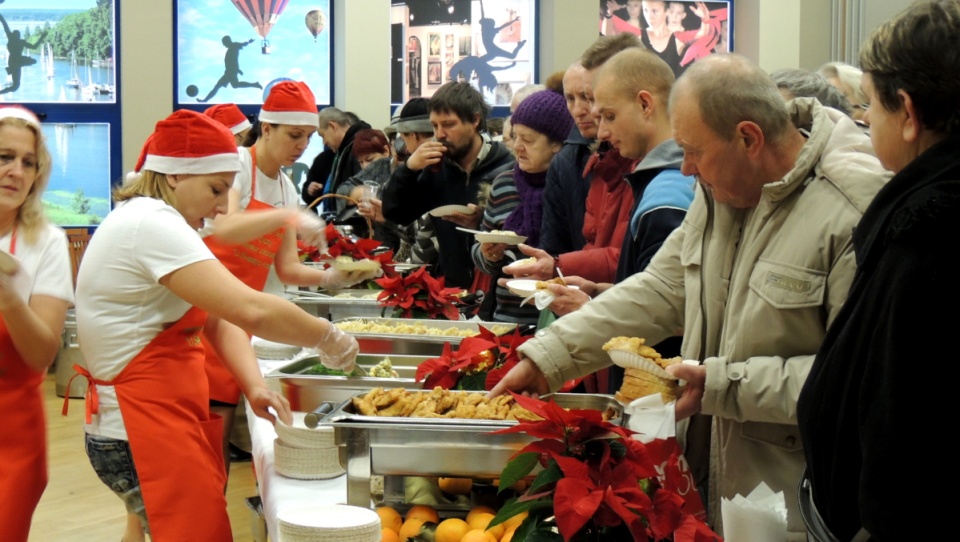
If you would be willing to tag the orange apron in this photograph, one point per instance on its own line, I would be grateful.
(174, 439)
(23, 439)
(250, 262)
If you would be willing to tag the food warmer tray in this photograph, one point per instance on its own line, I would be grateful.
(327, 305)
(306, 392)
(418, 345)
(371, 445)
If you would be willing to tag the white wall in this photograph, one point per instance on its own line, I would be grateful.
(774, 33)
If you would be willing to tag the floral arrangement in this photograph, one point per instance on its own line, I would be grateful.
(341, 245)
(597, 482)
(478, 364)
(418, 295)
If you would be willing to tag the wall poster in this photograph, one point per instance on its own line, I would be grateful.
(489, 43)
(79, 189)
(233, 51)
(57, 51)
(678, 32)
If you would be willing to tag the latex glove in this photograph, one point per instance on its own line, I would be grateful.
(338, 350)
(335, 279)
(312, 230)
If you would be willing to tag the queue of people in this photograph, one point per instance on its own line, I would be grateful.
(792, 255)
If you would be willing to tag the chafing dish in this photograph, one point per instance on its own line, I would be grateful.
(306, 392)
(421, 345)
(432, 446)
(338, 304)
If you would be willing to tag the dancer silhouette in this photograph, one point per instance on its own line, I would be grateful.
(16, 61)
(488, 33)
(231, 69)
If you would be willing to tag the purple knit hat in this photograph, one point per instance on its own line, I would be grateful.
(546, 112)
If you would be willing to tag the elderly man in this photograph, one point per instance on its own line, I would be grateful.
(449, 171)
(754, 276)
(337, 129)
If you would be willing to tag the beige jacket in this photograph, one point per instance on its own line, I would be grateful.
(753, 291)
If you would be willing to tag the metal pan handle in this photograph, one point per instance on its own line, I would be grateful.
(312, 419)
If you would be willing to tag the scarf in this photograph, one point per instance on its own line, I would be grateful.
(525, 219)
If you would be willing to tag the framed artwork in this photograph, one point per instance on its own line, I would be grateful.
(56, 51)
(234, 51)
(71, 198)
(678, 32)
(434, 73)
(504, 49)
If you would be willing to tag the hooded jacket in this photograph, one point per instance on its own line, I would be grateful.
(754, 291)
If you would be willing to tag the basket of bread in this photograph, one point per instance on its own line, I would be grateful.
(644, 372)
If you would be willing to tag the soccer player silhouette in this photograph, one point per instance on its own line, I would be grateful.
(231, 69)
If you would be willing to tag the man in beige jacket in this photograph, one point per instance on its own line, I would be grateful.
(753, 277)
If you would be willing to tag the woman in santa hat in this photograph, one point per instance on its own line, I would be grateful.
(230, 116)
(36, 288)
(147, 287)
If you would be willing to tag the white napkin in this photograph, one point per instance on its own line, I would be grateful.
(651, 418)
(761, 516)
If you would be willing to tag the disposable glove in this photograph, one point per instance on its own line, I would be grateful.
(338, 350)
(312, 230)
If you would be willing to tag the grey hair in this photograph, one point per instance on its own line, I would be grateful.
(808, 84)
(524, 91)
(332, 114)
(849, 76)
(730, 89)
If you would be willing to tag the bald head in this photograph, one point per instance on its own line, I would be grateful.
(729, 89)
(633, 70)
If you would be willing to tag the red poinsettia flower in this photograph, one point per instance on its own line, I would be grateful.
(447, 370)
(420, 292)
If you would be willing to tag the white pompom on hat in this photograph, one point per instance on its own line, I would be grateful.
(18, 112)
(188, 143)
(230, 116)
(291, 103)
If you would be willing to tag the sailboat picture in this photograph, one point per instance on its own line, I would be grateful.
(74, 81)
(48, 58)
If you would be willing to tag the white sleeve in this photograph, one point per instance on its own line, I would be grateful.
(241, 181)
(54, 274)
(164, 242)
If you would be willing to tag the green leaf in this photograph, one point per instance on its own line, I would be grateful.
(517, 468)
(550, 475)
(473, 382)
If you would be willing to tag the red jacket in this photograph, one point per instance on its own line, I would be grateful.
(606, 221)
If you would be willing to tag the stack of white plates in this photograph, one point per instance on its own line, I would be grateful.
(333, 523)
(271, 350)
(305, 454)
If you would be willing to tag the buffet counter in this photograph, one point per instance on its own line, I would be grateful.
(279, 492)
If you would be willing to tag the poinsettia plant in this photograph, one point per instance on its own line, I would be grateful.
(341, 245)
(418, 295)
(478, 364)
(597, 483)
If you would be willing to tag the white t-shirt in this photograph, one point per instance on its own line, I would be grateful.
(121, 305)
(46, 263)
(278, 192)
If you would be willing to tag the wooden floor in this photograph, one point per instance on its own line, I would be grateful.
(77, 506)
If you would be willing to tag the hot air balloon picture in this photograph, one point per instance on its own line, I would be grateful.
(316, 21)
(262, 14)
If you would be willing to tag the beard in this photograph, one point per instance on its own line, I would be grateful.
(457, 153)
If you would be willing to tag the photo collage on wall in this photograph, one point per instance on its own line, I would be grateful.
(678, 32)
(232, 52)
(62, 52)
(487, 43)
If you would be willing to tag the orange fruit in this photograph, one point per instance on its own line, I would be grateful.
(478, 535)
(451, 530)
(389, 518)
(482, 520)
(424, 512)
(410, 528)
(512, 523)
(387, 535)
(456, 486)
(479, 510)
(508, 536)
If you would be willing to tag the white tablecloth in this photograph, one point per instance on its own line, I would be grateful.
(278, 492)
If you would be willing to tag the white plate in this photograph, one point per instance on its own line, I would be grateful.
(355, 265)
(507, 239)
(447, 210)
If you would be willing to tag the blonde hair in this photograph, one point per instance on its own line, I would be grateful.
(31, 218)
(148, 184)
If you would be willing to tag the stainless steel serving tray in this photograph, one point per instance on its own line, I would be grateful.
(306, 392)
(431, 446)
(356, 296)
(413, 344)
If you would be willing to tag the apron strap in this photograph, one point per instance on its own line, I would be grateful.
(91, 399)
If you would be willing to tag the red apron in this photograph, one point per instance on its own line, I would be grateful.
(176, 442)
(250, 262)
(23, 438)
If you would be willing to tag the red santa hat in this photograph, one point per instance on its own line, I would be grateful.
(230, 116)
(292, 103)
(189, 143)
(22, 113)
